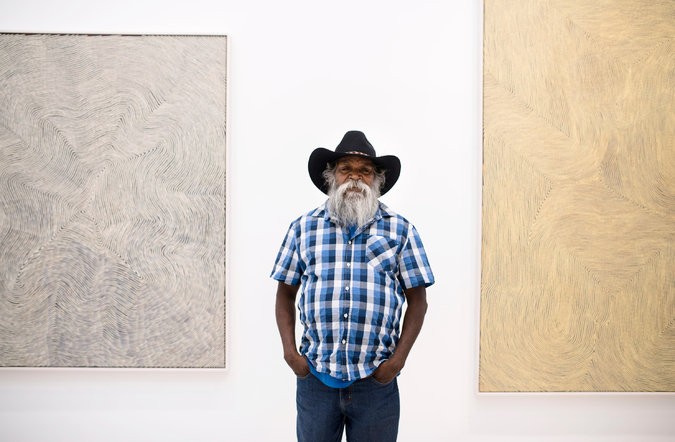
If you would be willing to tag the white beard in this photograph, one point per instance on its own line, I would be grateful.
(352, 208)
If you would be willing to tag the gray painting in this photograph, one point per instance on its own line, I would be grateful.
(112, 201)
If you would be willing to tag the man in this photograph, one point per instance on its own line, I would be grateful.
(356, 262)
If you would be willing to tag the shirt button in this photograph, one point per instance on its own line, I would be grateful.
(347, 288)
(349, 242)
(349, 264)
(344, 341)
(345, 315)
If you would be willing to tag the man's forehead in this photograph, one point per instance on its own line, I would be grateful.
(355, 161)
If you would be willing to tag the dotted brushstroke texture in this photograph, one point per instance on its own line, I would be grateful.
(112, 201)
(578, 243)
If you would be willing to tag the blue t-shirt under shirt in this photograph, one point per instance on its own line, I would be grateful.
(329, 380)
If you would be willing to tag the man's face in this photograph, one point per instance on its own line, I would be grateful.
(355, 168)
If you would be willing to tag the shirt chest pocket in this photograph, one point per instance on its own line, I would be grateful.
(381, 253)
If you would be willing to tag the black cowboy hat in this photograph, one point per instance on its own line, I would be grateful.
(353, 143)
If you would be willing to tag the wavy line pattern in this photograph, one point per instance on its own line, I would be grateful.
(578, 283)
(112, 201)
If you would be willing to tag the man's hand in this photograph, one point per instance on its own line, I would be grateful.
(387, 371)
(298, 364)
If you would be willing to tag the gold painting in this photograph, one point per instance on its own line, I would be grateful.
(578, 242)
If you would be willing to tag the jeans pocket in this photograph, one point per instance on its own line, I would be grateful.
(381, 384)
(302, 378)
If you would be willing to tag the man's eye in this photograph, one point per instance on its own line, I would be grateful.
(366, 171)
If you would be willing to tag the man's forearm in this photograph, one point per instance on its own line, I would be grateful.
(412, 322)
(285, 314)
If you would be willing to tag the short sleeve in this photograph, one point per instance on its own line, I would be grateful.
(287, 267)
(414, 268)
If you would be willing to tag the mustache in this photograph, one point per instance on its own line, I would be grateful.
(351, 185)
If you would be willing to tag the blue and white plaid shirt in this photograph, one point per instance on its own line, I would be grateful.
(352, 287)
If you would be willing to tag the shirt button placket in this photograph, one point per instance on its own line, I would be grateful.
(345, 315)
(346, 327)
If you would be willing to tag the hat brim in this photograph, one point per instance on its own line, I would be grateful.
(322, 156)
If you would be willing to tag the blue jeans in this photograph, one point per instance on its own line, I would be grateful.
(368, 409)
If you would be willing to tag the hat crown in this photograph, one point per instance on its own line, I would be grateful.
(355, 142)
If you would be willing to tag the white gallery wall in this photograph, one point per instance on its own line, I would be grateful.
(301, 73)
